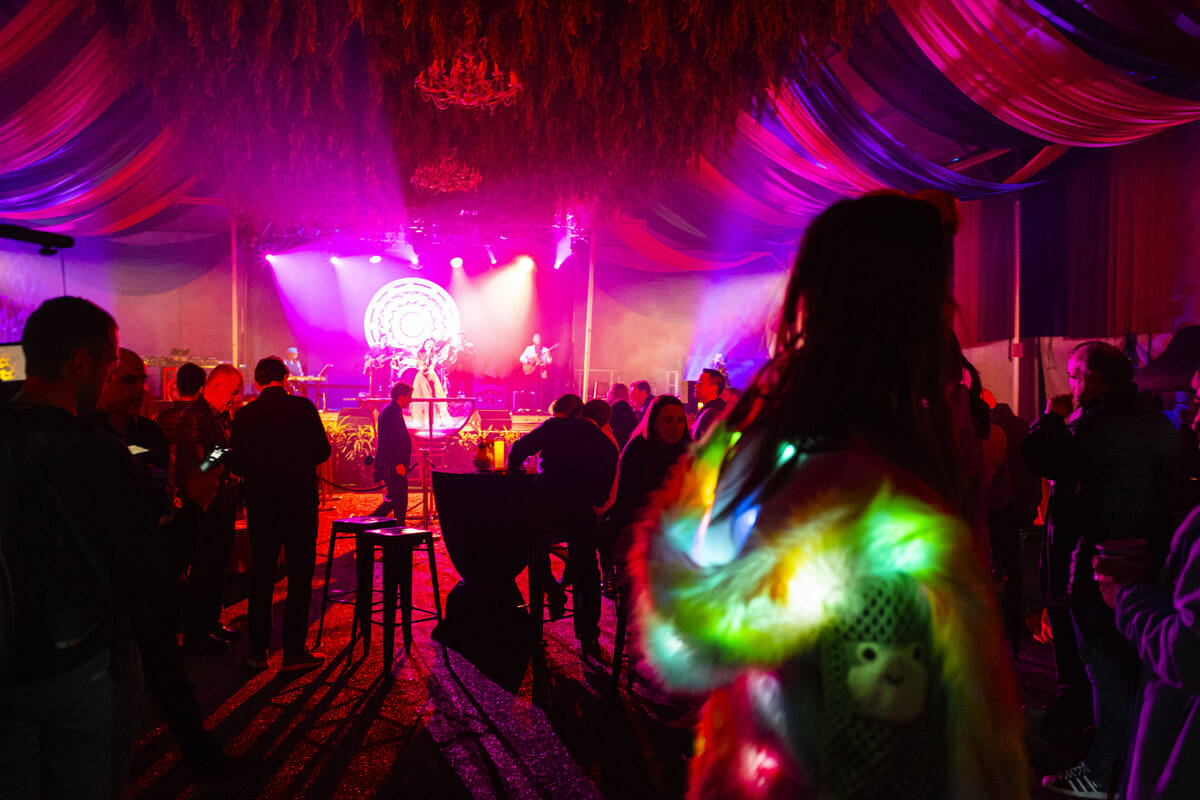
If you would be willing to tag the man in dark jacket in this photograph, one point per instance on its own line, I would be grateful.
(578, 463)
(276, 443)
(393, 454)
(708, 393)
(203, 427)
(1114, 464)
(82, 577)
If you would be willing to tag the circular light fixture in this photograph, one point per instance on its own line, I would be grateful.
(456, 262)
(375, 259)
(409, 311)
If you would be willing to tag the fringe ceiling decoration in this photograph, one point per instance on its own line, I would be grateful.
(314, 100)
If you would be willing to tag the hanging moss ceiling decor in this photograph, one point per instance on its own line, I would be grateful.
(313, 103)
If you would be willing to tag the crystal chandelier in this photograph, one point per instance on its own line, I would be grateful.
(470, 80)
(447, 174)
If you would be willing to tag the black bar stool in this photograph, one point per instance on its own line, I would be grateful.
(342, 527)
(397, 546)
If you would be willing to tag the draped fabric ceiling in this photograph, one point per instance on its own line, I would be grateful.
(980, 98)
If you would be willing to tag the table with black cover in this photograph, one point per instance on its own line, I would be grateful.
(488, 522)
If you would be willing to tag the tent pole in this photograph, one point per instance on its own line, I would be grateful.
(587, 323)
(233, 282)
(1017, 348)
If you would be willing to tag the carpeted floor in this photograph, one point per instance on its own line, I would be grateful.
(532, 723)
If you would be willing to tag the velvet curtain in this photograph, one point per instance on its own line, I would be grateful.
(1110, 248)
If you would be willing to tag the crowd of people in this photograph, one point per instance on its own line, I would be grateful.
(831, 557)
(117, 532)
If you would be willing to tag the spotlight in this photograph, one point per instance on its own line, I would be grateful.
(525, 263)
(491, 255)
(271, 258)
(337, 262)
(375, 259)
(456, 262)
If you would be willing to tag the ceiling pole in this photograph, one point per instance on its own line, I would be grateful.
(587, 322)
(1017, 348)
(233, 283)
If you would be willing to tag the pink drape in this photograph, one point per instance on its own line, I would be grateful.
(627, 243)
(31, 26)
(79, 94)
(1012, 62)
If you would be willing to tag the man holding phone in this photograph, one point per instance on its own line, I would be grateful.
(203, 426)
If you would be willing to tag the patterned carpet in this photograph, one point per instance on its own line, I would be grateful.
(522, 723)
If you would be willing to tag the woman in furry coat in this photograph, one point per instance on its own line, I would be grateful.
(809, 567)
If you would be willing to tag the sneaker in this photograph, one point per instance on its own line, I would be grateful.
(303, 662)
(256, 662)
(1077, 781)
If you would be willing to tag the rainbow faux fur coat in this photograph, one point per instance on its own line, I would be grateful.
(843, 627)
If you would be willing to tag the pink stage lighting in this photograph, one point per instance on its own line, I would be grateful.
(337, 262)
(375, 259)
(271, 258)
(491, 255)
(456, 262)
(525, 263)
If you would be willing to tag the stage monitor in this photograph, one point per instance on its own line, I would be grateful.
(12, 362)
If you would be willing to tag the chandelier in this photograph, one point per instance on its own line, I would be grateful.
(447, 174)
(468, 81)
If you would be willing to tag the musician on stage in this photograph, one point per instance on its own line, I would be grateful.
(291, 360)
(462, 366)
(377, 366)
(535, 363)
(428, 383)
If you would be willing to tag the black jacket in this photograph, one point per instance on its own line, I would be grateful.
(276, 443)
(707, 417)
(1114, 466)
(394, 444)
(578, 461)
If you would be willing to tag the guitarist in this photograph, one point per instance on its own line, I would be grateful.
(377, 366)
(535, 363)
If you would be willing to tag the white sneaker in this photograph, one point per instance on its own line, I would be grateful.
(1078, 781)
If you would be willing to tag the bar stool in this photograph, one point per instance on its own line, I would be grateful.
(344, 528)
(396, 546)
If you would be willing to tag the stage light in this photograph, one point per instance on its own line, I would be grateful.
(525, 263)
(337, 262)
(375, 259)
(456, 262)
(491, 255)
(271, 258)
(562, 250)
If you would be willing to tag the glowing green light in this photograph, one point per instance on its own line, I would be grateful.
(733, 439)
(786, 452)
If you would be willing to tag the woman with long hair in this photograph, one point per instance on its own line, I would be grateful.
(809, 567)
(655, 445)
(427, 382)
